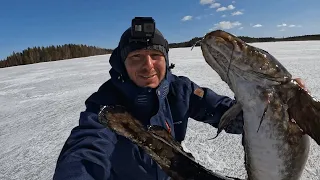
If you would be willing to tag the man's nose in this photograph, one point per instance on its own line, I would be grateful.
(148, 63)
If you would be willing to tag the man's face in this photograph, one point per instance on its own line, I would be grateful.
(146, 68)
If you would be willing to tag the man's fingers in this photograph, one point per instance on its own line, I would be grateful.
(301, 83)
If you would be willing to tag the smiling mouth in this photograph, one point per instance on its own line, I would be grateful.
(147, 77)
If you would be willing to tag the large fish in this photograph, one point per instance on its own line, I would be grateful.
(278, 113)
(158, 143)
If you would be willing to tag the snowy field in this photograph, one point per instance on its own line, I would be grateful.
(40, 104)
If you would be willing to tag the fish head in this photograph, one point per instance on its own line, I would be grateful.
(234, 60)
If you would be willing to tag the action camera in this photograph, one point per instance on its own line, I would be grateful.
(142, 28)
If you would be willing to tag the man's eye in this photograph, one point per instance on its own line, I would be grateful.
(136, 56)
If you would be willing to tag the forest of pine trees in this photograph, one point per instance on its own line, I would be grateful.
(51, 53)
(247, 39)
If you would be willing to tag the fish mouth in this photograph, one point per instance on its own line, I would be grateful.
(224, 42)
(231, 56)
(219, 49)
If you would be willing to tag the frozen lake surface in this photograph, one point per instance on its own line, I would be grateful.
(40, 104)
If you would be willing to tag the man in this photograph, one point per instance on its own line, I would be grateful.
(140, 81)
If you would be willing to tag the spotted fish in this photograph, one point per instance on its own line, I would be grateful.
(279, 115)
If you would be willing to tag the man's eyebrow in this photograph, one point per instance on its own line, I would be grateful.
(156, 53)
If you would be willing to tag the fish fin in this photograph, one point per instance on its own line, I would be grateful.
(227, 118)
(267, 94)
(305, 111)
(264, 113)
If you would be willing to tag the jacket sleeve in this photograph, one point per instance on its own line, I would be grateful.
(208, 107)
(85, 154)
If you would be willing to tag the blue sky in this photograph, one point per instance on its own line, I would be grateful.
(28, 23)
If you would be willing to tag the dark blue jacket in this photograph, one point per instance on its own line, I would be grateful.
(95, 152)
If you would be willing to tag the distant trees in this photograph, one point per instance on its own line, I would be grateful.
(51, 53)
(250, 40)
(69, 51)
(190, 43)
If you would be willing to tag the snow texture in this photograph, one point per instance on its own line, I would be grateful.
(40, 104)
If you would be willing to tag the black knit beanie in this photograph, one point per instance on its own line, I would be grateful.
(158, 42)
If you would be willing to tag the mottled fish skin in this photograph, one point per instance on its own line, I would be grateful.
(158, 143)
(275, 146)
(303, 108)
(257, 65)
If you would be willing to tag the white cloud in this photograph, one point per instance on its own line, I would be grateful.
(227, 25)
(230, 7)
(257, 25)
(203, 16)
(282, 25)
(223, 15)
(237, 13)
(233, 2)
(292, 25)
(222, 9)
(186, 18)
(203, 2)
(215, 5)
(240, 28)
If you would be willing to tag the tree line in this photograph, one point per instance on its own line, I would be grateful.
(69, 51)
(51, 53)
(193, 41)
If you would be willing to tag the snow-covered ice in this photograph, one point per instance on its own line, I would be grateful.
(40, 104)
